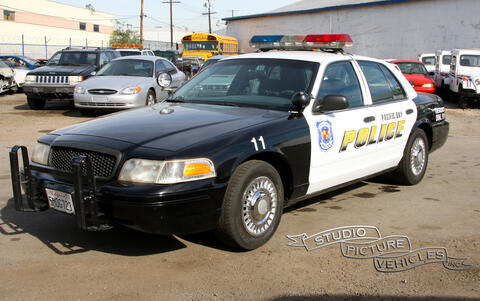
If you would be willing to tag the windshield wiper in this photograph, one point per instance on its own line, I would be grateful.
(178, 99)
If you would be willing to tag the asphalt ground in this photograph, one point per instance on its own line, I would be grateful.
(44, 257)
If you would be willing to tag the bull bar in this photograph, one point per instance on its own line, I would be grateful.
(85, 202)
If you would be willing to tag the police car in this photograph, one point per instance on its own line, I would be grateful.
(237, 143)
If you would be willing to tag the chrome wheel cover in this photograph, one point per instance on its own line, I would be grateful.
(260, 200)
(150, 99)
(417, 156)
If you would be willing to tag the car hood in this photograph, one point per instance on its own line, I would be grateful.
(170, 126)
(113, 82)
(418, 78)
(63, 70)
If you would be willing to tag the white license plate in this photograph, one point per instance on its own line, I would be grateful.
(60, 201)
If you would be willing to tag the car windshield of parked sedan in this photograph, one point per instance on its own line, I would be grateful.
(470, 60)
(265, 83)
(127, 68)
(72, 58)
(412, 68)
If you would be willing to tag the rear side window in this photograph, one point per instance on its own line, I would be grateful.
(340, 79)
(383, 85)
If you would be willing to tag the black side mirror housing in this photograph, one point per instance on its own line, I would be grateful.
(300, 101)
(333, 103)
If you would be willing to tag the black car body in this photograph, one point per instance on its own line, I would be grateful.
(64, 70)
(274, 138)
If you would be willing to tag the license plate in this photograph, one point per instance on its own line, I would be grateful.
(60, 201)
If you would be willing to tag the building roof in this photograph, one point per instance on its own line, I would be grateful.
(311, 6)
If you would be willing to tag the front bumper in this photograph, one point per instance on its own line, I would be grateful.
(49, 91)
(164, 209)
(91, 101)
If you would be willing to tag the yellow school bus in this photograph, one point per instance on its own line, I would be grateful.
(204, 45)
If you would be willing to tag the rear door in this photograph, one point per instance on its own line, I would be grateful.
(395, 113)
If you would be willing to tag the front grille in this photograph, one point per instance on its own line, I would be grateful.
(52, 79)
(102, 91)
(103, 164)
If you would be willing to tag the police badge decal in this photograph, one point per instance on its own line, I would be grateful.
(325, 135)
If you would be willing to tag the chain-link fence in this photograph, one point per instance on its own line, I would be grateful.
(45, 47)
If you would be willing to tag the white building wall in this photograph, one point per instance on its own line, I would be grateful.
(398, 30)
(58, 24)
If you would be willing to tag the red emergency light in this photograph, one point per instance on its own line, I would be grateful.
(302, 42)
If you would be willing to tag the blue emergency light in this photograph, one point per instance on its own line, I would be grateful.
(301, 42)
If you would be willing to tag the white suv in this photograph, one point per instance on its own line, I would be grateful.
(465, 75)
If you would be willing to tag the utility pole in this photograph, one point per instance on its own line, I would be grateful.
(141, 23)
(171, 20)
(233, 10)
(208, 5)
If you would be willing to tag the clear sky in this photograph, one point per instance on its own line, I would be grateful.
(187, 13)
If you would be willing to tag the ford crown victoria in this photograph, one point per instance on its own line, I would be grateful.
(237, 143)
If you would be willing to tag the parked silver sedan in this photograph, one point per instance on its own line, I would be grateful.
(126, 82)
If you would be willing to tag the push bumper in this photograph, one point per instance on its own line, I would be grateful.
(60, 92)
(191, 208)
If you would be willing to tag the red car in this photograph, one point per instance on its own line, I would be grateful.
(417, 75)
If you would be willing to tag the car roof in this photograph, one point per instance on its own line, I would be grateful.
(140, 57)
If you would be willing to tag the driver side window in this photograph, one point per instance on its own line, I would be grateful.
(340, 79)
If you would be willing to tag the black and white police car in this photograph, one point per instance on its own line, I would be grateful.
(237, 143)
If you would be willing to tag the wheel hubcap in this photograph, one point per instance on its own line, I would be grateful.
(259, 206)
(150, 100)
(417, 156)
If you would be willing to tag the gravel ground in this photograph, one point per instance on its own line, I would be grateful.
(44, 257)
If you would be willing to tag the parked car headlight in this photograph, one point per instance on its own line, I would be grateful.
(131, 90)
(75, 79)
(79, 90)
(41, 153)
(428, 85)
(166, 172)
(30, 79)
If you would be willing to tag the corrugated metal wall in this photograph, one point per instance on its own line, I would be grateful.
(398, 30)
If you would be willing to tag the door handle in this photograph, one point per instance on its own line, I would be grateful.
(409, 111)
(369, 119)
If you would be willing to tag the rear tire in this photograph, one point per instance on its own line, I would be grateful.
(414, 163)
(35, 103)
(252, 207)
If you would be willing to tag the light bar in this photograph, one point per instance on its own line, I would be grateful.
(301, 42)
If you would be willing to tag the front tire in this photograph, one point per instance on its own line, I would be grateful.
(252, 207)
(414, 163)
(35, 103)
(151, 100)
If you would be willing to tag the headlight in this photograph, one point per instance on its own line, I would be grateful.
(429, 85)
(40, 153)
(79, 90)
(166, 172)
(75, 79)
(30, 79)
(164, 80)
(131, 90)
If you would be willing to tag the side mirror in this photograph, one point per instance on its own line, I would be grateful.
(93, 73)
(300, 101)
(333, 103)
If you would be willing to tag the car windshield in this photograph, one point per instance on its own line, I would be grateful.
(129, 52)
(209, 62)
(129, 67)
(30, 60)
(412, 68)
(264, 83)
(3, 64)
(470, 60)
(165, 54)
(72, 58)
(428, 60)
(200, 45)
